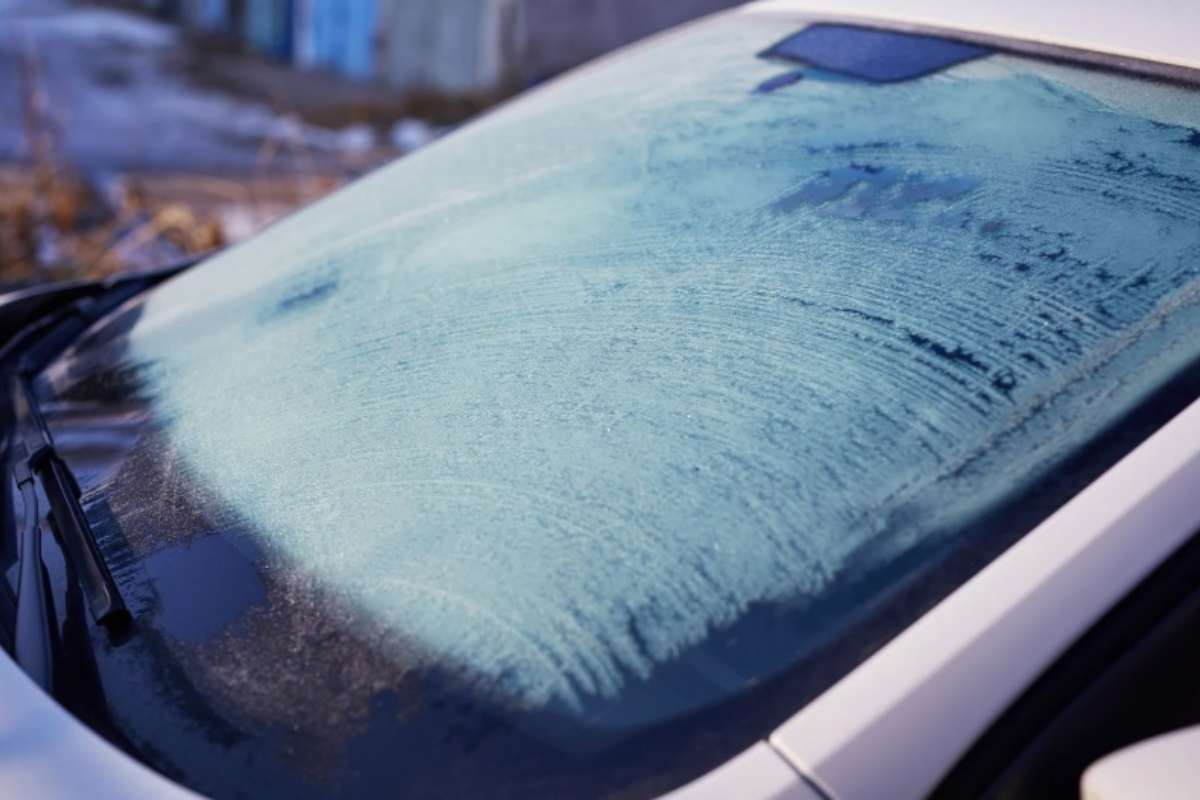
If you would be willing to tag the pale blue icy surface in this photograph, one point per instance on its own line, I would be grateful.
(568, 390)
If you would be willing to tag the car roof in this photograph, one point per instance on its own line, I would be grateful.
(1162, 31)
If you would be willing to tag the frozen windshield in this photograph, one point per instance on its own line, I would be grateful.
(624, 401)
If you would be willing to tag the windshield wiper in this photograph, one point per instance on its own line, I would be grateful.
(35, 461)
(32, 642)
(42, 463)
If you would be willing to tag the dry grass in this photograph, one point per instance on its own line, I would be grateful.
(54, 224)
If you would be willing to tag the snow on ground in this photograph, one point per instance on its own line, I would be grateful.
(121, 99)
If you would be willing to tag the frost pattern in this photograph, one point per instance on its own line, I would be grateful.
(559, 395)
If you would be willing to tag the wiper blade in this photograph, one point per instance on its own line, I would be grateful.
(33, 644)
(42, 463)
(34, 459)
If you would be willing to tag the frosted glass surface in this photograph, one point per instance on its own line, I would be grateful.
(566, 392)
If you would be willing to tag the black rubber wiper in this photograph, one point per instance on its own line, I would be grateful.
(42, 463)
(35, 462)
(33, 644)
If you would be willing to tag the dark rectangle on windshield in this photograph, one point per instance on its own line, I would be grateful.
(873, 55)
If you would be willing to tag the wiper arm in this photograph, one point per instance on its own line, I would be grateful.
(42, 463)
(34, 459)
(33, 643)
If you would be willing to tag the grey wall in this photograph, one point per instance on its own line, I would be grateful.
(559, 34)
(435, 44)
(483, 45)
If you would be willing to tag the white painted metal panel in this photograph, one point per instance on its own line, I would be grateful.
(758, 773)
(1166, 767)
(897, 723)
(46, 753)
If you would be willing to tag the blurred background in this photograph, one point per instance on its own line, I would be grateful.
(136, 133)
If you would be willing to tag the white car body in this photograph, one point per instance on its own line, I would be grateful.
(896, 724)
(1164, 767)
